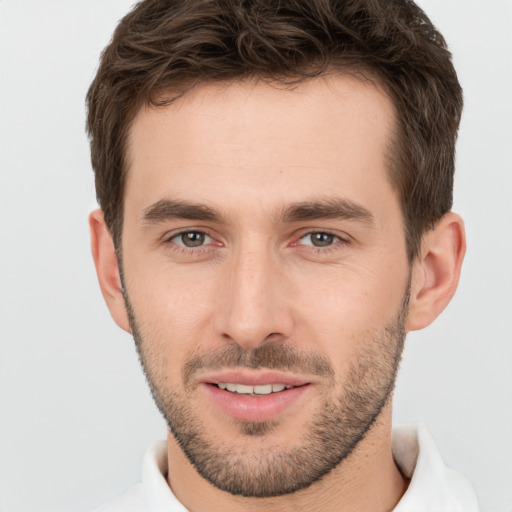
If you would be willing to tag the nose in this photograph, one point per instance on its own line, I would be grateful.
(254, 303)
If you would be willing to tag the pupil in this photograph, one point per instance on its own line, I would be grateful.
(193, 239)
(322, 239)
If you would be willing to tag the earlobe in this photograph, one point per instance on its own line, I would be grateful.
(107, 269)
(436, 271)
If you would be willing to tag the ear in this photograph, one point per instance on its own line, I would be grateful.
(435, 273)
(107, 269)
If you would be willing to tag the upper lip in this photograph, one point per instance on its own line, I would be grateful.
(253, 378)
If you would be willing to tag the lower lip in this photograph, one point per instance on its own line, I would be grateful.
(254, 408)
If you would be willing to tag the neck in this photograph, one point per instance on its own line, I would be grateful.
(366, 480)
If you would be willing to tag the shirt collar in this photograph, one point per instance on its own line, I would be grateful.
(433, 486)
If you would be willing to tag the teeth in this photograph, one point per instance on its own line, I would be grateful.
(262, 389)
(244, 390)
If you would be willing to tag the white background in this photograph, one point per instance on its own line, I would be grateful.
(75, 414)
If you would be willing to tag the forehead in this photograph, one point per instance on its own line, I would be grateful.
(255, 138)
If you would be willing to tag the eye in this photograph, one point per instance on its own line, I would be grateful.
(319, 239)
(191, 239)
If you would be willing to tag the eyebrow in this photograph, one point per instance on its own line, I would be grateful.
(331, 208)
(168, 209)
(335, 208)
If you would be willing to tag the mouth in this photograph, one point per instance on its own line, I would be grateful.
(254, 397)
(259, 390)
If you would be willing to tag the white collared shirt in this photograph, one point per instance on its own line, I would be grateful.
(433, 486)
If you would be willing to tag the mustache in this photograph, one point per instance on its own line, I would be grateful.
(271, 356)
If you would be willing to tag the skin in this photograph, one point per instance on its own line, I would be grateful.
(249, 151)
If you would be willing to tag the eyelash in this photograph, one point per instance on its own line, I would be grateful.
(170, 240)
(182, 248)
(338, 242)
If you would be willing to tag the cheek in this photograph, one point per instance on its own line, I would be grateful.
(173, 304)
(353, 294)
(347, 307)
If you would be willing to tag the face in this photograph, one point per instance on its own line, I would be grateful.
(266, 275)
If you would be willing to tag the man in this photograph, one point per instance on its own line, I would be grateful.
(275, 182)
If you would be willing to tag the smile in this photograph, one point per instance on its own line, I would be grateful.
(262, 389)
(257, 401)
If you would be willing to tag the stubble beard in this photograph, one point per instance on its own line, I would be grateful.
(328, 439)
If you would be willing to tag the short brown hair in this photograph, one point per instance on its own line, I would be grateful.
(167, 46)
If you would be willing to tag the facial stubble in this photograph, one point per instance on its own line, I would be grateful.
(329, 438)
